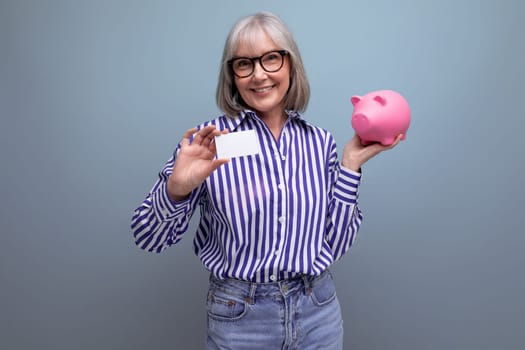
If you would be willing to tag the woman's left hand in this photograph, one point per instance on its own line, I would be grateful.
(355, 154)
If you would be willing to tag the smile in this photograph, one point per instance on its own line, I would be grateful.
(264, 89)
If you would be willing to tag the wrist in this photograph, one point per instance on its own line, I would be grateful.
(352, 165)
(177, 198)
(175, 193)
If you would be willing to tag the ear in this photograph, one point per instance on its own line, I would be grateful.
(355, 99)
(380, 99)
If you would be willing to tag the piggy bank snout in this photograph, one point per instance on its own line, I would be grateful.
(360, 122)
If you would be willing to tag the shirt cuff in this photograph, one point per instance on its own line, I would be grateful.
(166, 208)
(347, 185)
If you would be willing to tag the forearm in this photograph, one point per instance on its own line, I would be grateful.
(345, 214)
(160, 222)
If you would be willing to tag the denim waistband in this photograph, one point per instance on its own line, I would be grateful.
(250, 290)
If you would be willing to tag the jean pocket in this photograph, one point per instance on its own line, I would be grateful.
(225, 308)
(323, 292)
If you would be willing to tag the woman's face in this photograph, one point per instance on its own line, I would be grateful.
(262, 91)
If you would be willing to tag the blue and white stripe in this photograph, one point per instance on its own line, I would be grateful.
(290, 210)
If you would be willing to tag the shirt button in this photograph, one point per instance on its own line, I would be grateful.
(273, 278)
(277, 252)
(283, 157)
(282, 219)
(281, 186)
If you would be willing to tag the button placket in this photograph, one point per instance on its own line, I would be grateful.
(280, 183)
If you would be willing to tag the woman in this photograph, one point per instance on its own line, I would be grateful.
(271, 224)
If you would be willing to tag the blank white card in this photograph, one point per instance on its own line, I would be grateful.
(237, 144)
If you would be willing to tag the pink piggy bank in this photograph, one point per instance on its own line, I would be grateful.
(380, 116)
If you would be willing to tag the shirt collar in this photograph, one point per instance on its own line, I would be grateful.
(233, 123)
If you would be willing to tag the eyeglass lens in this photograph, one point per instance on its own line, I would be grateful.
(270, 62)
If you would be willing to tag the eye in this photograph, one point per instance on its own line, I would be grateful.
(271, 57)
(242, 63)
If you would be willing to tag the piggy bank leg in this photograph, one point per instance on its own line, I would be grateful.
(387, 141)
(366, 142)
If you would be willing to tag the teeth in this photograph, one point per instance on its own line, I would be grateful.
(263, 89)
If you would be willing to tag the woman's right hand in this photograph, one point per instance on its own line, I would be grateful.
(195, 161)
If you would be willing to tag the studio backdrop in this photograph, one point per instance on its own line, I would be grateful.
(95, 95)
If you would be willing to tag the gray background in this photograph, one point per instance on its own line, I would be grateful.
(96, 94)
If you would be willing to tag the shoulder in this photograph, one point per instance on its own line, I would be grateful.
(311, 128)
(223, 122)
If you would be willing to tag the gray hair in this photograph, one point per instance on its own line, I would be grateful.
(245, 31)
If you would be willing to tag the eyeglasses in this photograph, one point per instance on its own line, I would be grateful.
(271, 62)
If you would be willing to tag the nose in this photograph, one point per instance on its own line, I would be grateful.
(258, 71)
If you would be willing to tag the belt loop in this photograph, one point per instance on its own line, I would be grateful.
(250, 299)
(307, 285)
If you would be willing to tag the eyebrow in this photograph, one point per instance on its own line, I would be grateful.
(265, 52)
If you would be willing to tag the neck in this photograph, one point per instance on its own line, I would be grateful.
(275, 122)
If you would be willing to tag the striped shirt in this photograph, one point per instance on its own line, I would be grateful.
(290, 210)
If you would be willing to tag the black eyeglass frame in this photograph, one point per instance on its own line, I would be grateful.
(259, 59)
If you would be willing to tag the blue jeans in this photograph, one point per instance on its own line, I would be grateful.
(302, 314)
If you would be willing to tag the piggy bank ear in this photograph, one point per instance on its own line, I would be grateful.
(380, 99)
(355, 99)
